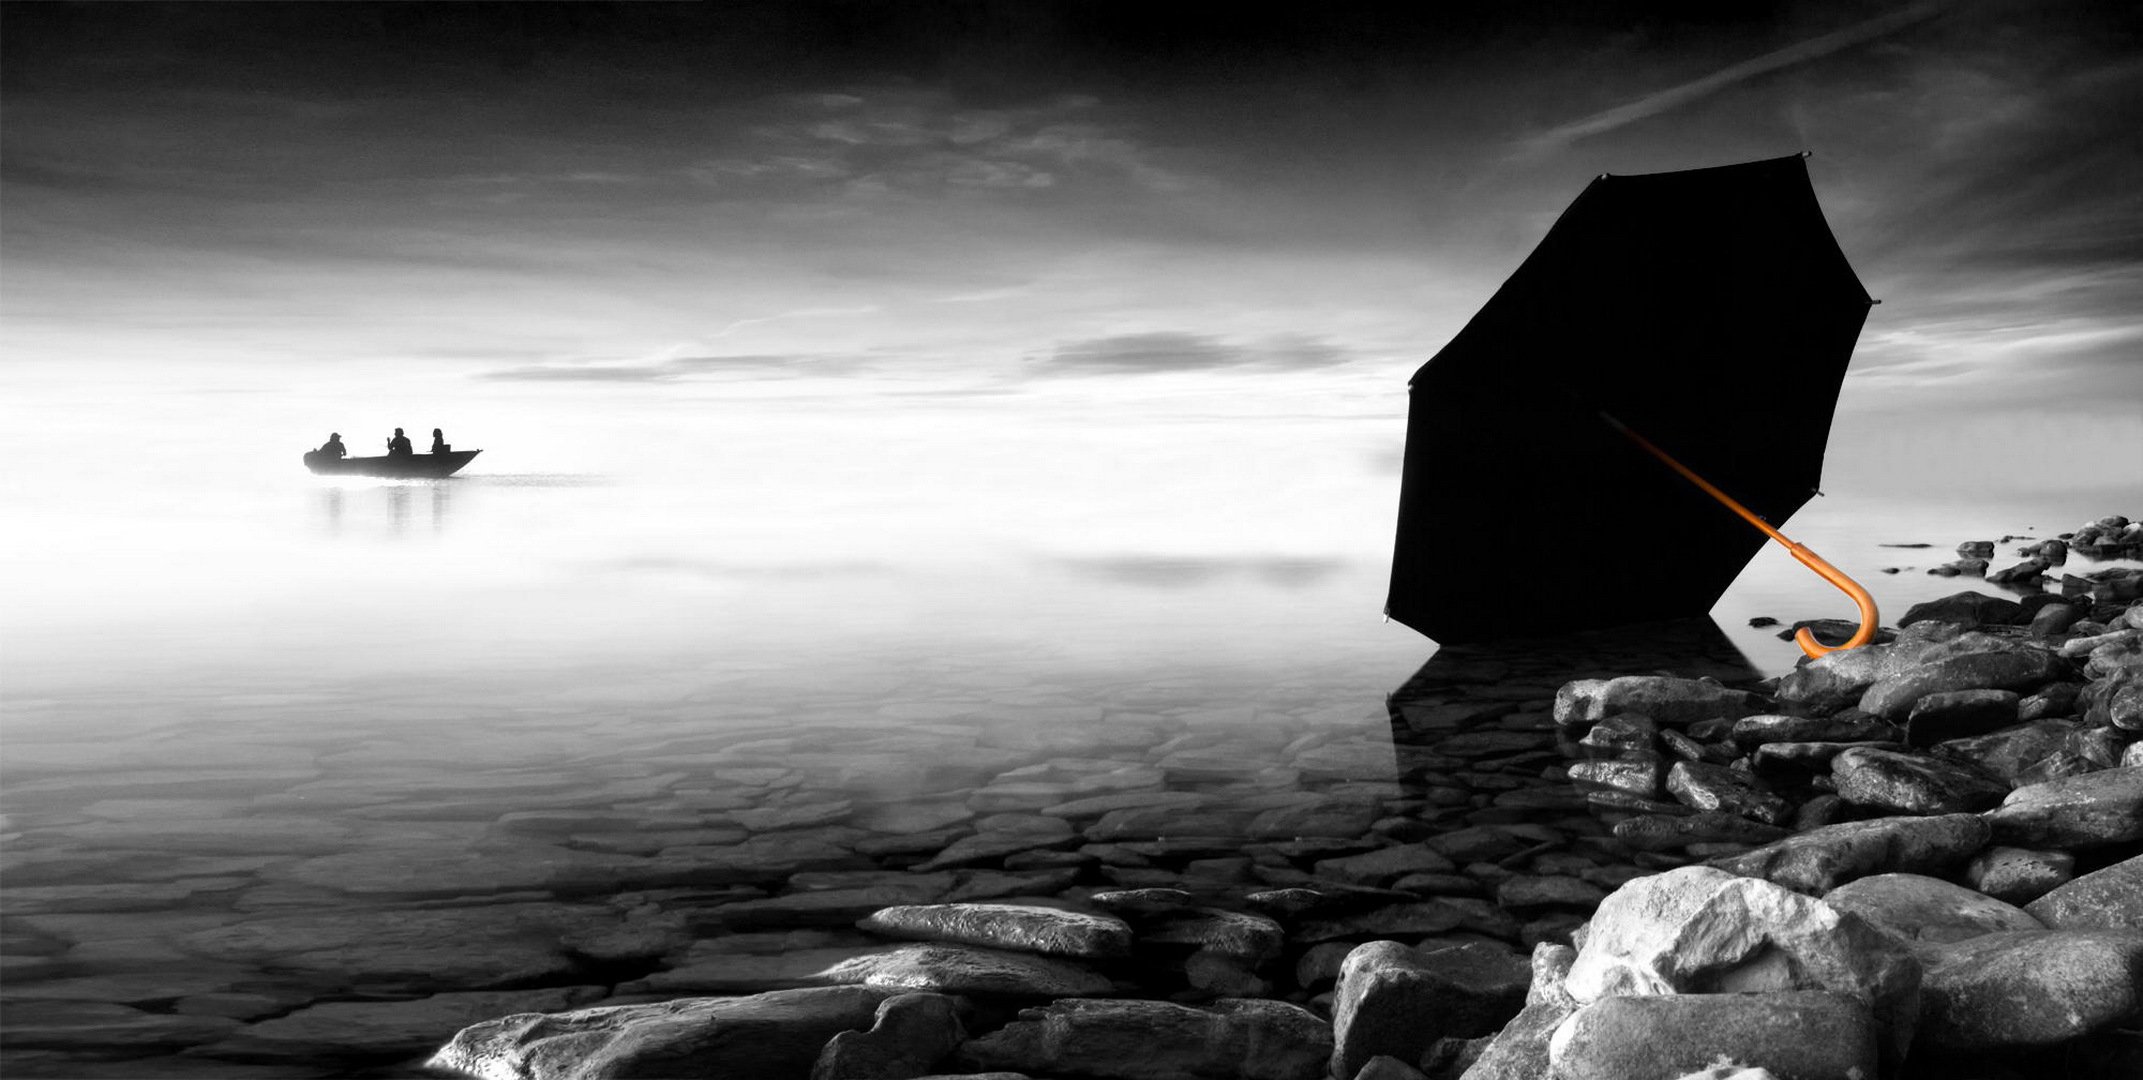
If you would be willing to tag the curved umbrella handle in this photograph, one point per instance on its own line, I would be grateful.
(1870, 618)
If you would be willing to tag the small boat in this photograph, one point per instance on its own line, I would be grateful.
(403, 466)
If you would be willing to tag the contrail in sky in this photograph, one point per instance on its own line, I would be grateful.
(1674, 97)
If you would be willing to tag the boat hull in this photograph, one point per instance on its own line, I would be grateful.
(406, 467)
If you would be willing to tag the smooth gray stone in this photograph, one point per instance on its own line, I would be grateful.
(1232, 1039)
(1383, 865)
(2106, 899)
(1913, 783)
(1520, 1050)
(1018, 927)
(1959, 714)
(911, 1034)
(1249, 939)
(1659, 832)
(2029, 988)
(1716, 787)
(422, 949)
(831, 907)
(2096, 808)
(1670, 1036)
(2019, 875)
(1822, 859)
(1393, 1000)
(1636, 772)
(966, 969)
(767, 1035)
(2020, 669)
(1853, 726)
(1395, 920)
(1927, 910)
(2010, 752)
(986, 847)
(1667, 700)
(750, 973)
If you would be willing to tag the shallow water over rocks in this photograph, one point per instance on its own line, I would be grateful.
(258, 895)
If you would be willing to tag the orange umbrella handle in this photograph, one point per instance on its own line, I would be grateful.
(1870, 618)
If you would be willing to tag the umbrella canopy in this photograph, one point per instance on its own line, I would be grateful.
(1712, 312)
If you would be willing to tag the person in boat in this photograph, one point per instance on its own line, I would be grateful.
(333, 446)
(399, 445)
(439, 445)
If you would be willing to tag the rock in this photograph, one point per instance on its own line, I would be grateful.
(1320, 818)
(1248, 939)
(1911, 783)
(1223, 976)
(1381, 866)
(1238, 1039)
(1697, 929)
(1806, 1033)
(1393, 920)
(1667, 700)
(1958, 714)
(1018, 927)
(1397, 1001)
(738, 973)
(1968, 608)
(1927, 910)
(1715, 787)
(1620, 734)
(1388, 1068)
(2021, 669)
(421, 950)
(2009, 753)
(1547, 890)
(2019, 875)
(1637, 772)
(1822, 859)
(1479, 843)
(1520, 1050)
(962, 969)
(1790, 762)
(2081, 811)
(2029, 988)
(2051, 701)
(770, 1035)
(386, 1028)
(1849, 726)
(909, 1036)
(991, 846)
(1659, 832)
(2108, 899)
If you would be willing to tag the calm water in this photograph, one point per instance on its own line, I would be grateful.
(296, 769)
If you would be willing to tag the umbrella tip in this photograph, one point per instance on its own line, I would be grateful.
(1808, 153)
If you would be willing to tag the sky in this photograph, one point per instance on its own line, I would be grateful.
(1242, 213)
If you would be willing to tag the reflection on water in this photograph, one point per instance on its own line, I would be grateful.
(392, 509)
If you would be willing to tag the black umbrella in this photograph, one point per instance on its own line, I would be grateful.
(1707, 315)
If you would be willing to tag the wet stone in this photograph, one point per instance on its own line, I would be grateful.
(1530, 891)
(1822, 859)
(1717, 788)
(1019, 927)
(1384, 865)
(2019, 875)
(399, 1028)
(1620, 734)
(1959, 714)
(1245, 938)
(1927, 910)
(1848, 726)
(1414, 919)
(963, 969)
(2104, 807)
(1636, 773)
(1913, 784)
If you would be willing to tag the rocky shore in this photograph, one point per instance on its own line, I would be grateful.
(1921, 858)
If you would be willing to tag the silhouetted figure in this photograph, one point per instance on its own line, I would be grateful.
(439, 445)
(399, 445)
(333, 446)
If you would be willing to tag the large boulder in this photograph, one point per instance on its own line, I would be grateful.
(2019, 669)
(2096, 808)
(1808, 1033)
(1822, 859)
(1396, 1000)
(1927, 910)
(1669, 701)
(1018, 927)
(2029, 988)
(2107, 899)
(1233, 1039)
(774, 1036)
(1700, 930)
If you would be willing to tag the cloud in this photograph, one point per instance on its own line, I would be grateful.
(1176, 351)
(670, 370)
(1675, 97)
(1186, 571)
